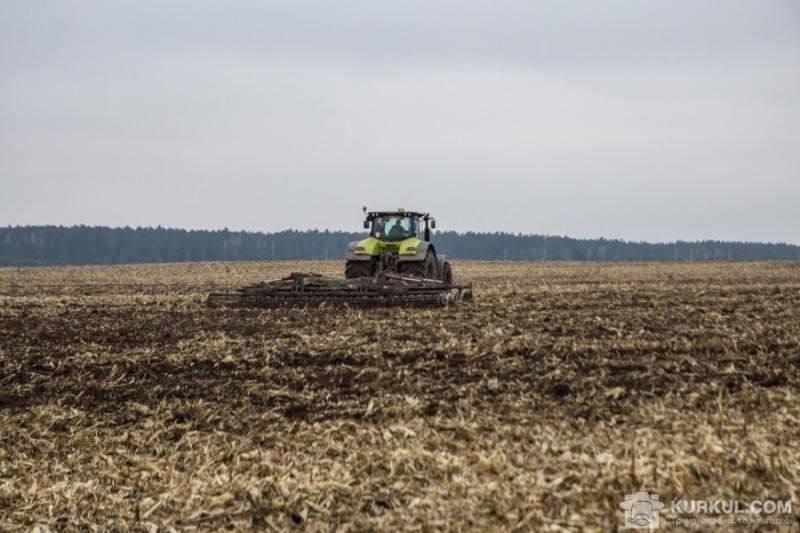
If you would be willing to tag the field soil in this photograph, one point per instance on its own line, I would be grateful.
(126, 403)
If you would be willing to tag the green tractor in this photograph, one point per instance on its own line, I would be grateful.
(399, 241)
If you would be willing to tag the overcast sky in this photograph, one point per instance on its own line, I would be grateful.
(642, 120)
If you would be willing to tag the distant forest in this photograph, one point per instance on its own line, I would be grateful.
(78, 245)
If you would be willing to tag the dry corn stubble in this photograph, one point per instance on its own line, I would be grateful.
(561, 387)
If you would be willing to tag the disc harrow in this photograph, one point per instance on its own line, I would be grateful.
(301, 289)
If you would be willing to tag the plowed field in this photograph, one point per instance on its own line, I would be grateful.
(125, 402)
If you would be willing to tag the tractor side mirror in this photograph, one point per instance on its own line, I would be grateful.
(433, 223)
(366, 224)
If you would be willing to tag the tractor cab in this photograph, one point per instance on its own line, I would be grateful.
(396, 226)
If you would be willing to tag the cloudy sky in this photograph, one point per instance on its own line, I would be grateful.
(655, 120)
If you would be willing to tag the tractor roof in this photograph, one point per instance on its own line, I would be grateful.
(397, 213)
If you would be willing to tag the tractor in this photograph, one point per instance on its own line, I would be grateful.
(399, 241)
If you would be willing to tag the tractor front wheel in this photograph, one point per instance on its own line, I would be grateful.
(358, 269)
(421, 269)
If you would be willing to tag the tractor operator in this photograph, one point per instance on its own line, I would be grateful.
(397, 231)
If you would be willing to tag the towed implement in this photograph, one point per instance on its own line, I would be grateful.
(397, 265)
(309, 289)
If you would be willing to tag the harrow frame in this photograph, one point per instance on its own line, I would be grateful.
(306, 289)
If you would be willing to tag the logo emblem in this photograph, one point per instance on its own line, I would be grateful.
(641, 510)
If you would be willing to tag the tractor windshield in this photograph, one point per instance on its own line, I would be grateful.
(394, 227)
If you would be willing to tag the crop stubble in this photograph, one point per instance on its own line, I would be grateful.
(560, 388)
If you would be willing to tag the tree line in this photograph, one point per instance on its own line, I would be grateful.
(60, 245)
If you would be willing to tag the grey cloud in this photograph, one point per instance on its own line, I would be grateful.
(654, 121)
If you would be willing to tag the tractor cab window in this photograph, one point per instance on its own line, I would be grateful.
(394, 228)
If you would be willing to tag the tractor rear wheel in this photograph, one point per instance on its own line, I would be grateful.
(421, 269)
(447, 273)
(358, 269)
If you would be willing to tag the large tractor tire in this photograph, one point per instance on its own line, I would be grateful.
(422, 269)
(358, 269)
(447, 273)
